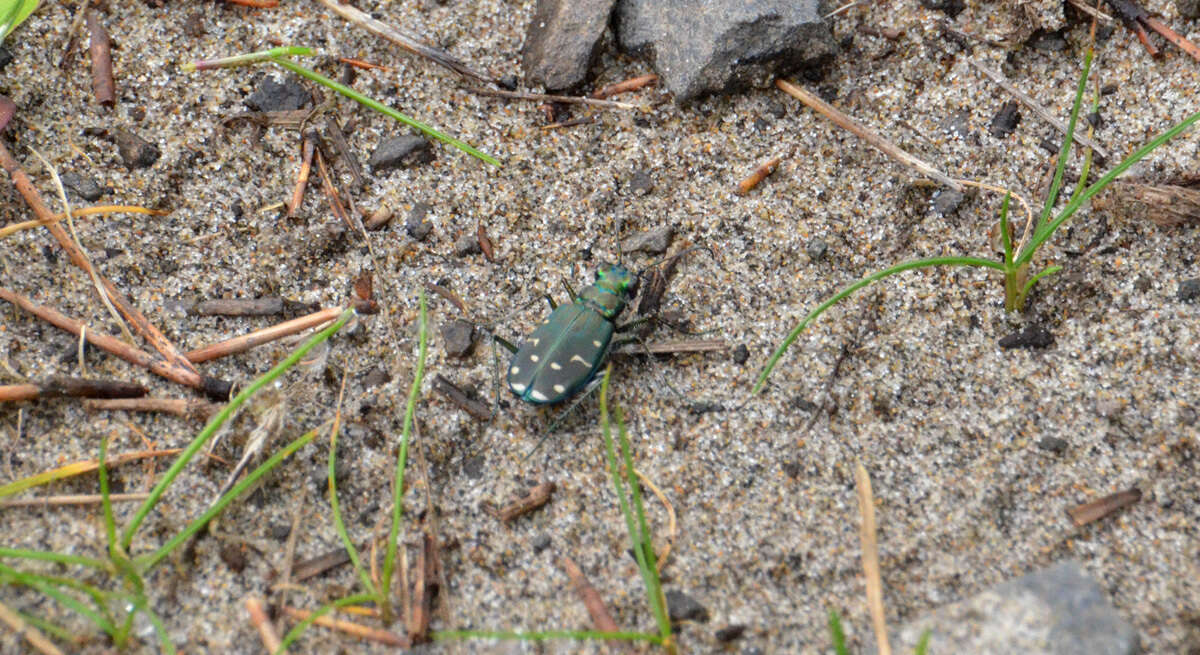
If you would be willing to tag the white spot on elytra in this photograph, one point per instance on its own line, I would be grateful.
(556, 366)
(537, 395)
(533, 358)
(577, 358)
(558, 388)
(597, 343)
(534, 341)
(514, 370)
(519, 388)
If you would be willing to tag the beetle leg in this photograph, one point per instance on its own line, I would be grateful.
(553, 305)
(508, 345)
(570, 291)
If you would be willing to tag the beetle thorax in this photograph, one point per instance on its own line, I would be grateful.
(611, 292)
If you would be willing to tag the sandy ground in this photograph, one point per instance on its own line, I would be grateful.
(946, 421)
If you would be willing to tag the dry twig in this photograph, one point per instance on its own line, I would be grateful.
(537, 496)
(601, 619)
(265, 335)
(102, 70)
(870, 557)
(1086, 513)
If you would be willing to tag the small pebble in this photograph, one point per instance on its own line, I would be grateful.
(466, 246)
(83, 186)
(1005, 120)
(459, 337)
(135, 151)
(685, 608)
(816, 249)
(417, 227)
(376, 377)
(234, 557)
(730, 633)
(741, 354)
(946, 201)
(541, 542)
(640, 183)
(1054, 445)
(1189, 290)
(275, 95)
(654, 241)
(400, 152)
(280, 531)
(1031, 337)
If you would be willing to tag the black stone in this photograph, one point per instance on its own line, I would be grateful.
(234, 557)
(541, 542)
(640, 183)
(730, 633)
(1047, 41)
(951, 8)
(741, 354)
(272, 95)
(1005, 120)
(459, 337)
(400, 152)
(816, 249)
(947, 201)
(683, 607)
(563, 41)
(280, 531)
(1031, 337)
(467, 246)
(376, 377)
(6, 58)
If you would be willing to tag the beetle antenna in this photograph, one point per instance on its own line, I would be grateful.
(677, 255)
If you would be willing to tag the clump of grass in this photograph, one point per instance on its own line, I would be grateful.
(629, 498)
(282, 57)
(1017, 260)
(113, 612)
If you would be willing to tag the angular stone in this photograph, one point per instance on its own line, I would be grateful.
(400, 151)
(273, 95)
(1055, 611)
(654, 242)
(135, 151)
(563, 41)
(720, 46)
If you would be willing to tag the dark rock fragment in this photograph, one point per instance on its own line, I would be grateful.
(400, 151)
(1033, 336)
(466, 246)
(1054, 445)
(273, 95)
(563, 41)
(640, 183)
(83, 186)
(816, 249)
(234, 557)
(730, 633)
(947, 201)
(1005, 120)
(683, 607)
(416, 225)
(135, 151)
(1189, 290)
(722, 46)
(459, 337)
(741, 354)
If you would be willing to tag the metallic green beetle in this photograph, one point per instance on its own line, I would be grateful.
(567, 350)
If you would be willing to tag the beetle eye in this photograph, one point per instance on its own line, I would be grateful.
(633, 287)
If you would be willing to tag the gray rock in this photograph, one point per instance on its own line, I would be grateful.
(563, 41)
(273, 95)
(816, 249)
(1055, 611)
(416, 225)
(654, 242)
(400, 151)
(721, 46)
(1189, 290)
(466, 246)
(683, 607)
(82, 185)
(1188, 8)
(459, 337)
(135, 151)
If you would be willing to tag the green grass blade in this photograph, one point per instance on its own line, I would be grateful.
(923, 643)
(1044, 231)
(219, 420)
(248, 58)
(70, 602)
(837, 634)
(1033, 280)
(844, 293)
(145, 563)
(414, 394)
(338, 523)
(1006, 231)
(60, 633)
(14, 13)
(382, 108)
(164, 641)
(60, 558)
(1065, 151)
(110, 524)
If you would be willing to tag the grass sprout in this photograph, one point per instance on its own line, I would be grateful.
(1017, 259)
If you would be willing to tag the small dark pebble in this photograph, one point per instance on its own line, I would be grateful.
(1095, 120)
(1054, 445)
(1005, 120)
(946, 201)
(135, 151)
(1189, 290)
(193, 25)
(640, 183)
(400, 152)
(459, 337)
(683, 607)
(376, 377)
(541, 543)
(272, 95)
(508, 82)
(804, 404)
(816, 249)
(741, 354)
(83, 186)
(1108, 89)
(280, 531)
(705, 407)
(951, 8)
(234, 557)
(6, 58)
(1031, 337)
(473, 467)
(416, 225)
(1047, 41)
(791, 469)
(654, 242)
(466, 246)
(730, 633)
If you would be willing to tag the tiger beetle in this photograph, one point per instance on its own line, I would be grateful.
(565, 352)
